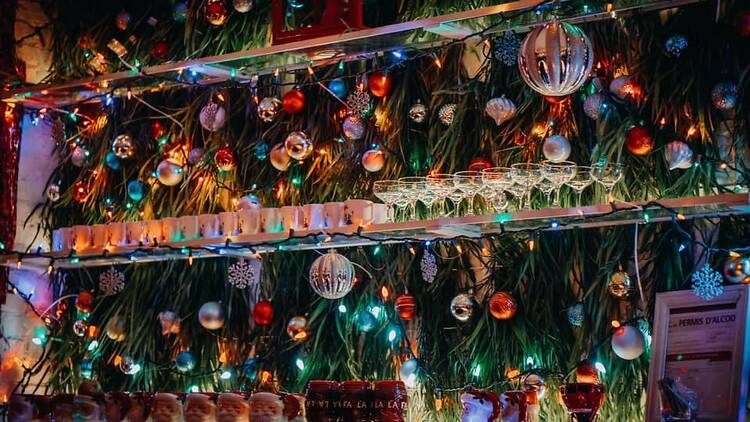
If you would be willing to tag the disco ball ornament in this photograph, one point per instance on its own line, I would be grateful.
(296, 328)
(338, 87)
(249, 202)
(79, 156)
(216, 12)
(211, 315)
(85, 302)
(678, 155)
(380, 83)
(298, 145)
(123, 147)
(184, 362)
(293, 102)
(354, 128)
(280, 160)
(576, 315)
(479, 164)
(620, 285)
(179, 11)
(622, 87)
(724, 96)
(639, 141)
(447, 113)
(115, 328)
(418, 113)
(627, 342)
(462, 307)
(169, 172)
(332, 275)
(128, 366)
(406, 306)
(365, 321)
(555, 58)
(263, 313)
(556, 148)
(224, 159)
(592, 106)
(268, 109)
(373, 160)
(80, 327)
(737, 269)
(195, 156)
(500, 109)
(675, 45)
(242, 6)
(111, 160)
(80, 191)
(159, 49)
(53, 192)
(503, 306)
(260, 150)
(212, 116)
(122, 20)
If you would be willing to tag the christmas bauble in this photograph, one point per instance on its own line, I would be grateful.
(479, 164)
(585, 372)
(80, 191)
(85, 302)
(373, 160)
(242, 6)
(592, 106)
(115, 328)
(80, 327)
(224, 159)
(380, 83)
(211, 315)
(447, 113)
(268, 109)
(216, 12)
(128, 366)
(405, 307)
(622, 87)
(159, 49)
(212, 116)
(627, 342)
(338, 87)
(555, 58)
(170, 322)
(365, 321)
(354, 128)
(298, 145)
(111, 160)
(157, 130)
(296, 328)
(79, 156)
(576, 315)
(169, 172)
(123, 147)
(724, 96)
(418, 113)
(556, 148)
(279, 158)
(503, 306)
(675, 45)
(249, 202)
(332, 275)
(678, 155)
(737, 269)
(263, 313)
(408, 373)
(639, 141)
(179, 12)
(500, 109)
(184, 361)
(260, 150)
(620, 285)
(122, 20)
(462, 307)
(533, 382)
(53, 192)
(195, 156)
(293, 101)
(250, 367)
(135, 190)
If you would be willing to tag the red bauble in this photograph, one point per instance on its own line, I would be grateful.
(85, 302)
(585, 372)
(405, 306)
(263, 313)
(293, 101)
(159, 49)
(743, 23)
(157, 129)
(224, 159)
(479, 164)
(503, 306)
(380, 83)
(216, 12)
(639, 141)
(81, 191)
(555, 100)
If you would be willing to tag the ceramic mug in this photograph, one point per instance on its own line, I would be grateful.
(136, 232)
(228, 223)
(315, 216)
(292, 218)
(189, 227)
(170, 228)
(209, 224)
(358, 212)
(116, 234)
(379, 213)
(81, 237)
(99, 236)
(249, 221)
(154, 231)
(270, 220)
(334, 214)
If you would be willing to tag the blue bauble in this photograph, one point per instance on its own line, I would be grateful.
(338, 87)
(179, 13)
(261, 150)
(365, 321)
(251, 368)
(135, 190)
(185, 361)
(675, 45)
(86, 369)
(112, 161)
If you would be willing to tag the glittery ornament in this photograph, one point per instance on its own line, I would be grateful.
(428, 267)
(338, 87)
(592, 106)
(724, 96)
(405, 307)
(503, 306)
(159, 49)
(195, 156)
(224, 159)
(380, 83)
(675, 45)
(358, 102)
(79, 156)
(216, 12)
(85, 302)
(111, 160)
(678, 155)
(244, 273)
(373, 160)
(122, 20)
(620, 285)
(111, 281)
(418, 113)
(505, 48)
(576, 314)
(179, 11)
(128, 366)
(500, 109)
(298, 145)
(280, 160)
(53, 192)
(123, 147)
(293, 102)
(263, 313)
(268, 109)
(184, 362)
(80, 191)
(211, 315)
(447, 113)
(706, 283)
(260, 150)
(354, 128)
(242, 6)
(556, 148)
(332, 275)
(170, 322)
(296, 328)
(627, 342)
(212, 116)
(737, 269)
(462, 307)
(80, 327)
(249, 202)
(116, 329)
(169, 172)
(639, 141)
(622, 87)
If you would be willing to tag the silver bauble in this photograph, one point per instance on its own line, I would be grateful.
(53, 192)
(212, 116)
(128, 366)
(169, 172)
(500, 109)
(447, 113)
(268, 109)
(592, 106)
(354, 128)
(123, 147)
(298, 145)
(627, 342)
(211, 315)
(373, 160)
(242, 6)
(79, 156)
(279, 158)
(556, 148)
(418, 113)
(462, 307)
(332, 275)
(678, 155)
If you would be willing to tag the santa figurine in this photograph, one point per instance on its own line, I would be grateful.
(116, 406)
(480, 406)
(21, 409)
(139, 403)
(199, 408)
(166, 408)
(294, 408)
(266, 407)
(514, 406)
(232, 407)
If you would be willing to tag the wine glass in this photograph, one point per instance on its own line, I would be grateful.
(442, 185)
(468, 182)
(388, 192)
(526, 175)
(582, 400)
(607, 175)
(410, 188)
(580, 181)
(559, 173)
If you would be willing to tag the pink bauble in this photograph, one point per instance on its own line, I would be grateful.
(373, 160)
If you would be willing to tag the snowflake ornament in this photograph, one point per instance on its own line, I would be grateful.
(111, 281)
(429, 267)
(506, 48)
(244, 273)
(707, 283)
(358, 102)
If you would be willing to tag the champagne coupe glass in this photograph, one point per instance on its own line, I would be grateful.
(442, 185)
(518, 193)
(468, 182)
(498, 179)
(547, 186)
(388, 192)
(526, 175)
(410, 187)
(559, 173)
(580, 181)
(607, 175)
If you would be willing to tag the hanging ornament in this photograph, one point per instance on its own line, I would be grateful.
(123, 147)
(184, 362)
(737, 269)
(506, 48)
(593, 105)
(639, 141)
(408, 373)
(500, 109)
(418, 112)
(405, 307)
(80, 191)
(135, 190)
(79, 156)
(115, 328)
(354, 128)
(706, 283)
(555, 58)
(244, 273)
(585, 372)
(242, 6)
(111, 281)
(479, 164)
(428, 266)
(678, 155)
(85, 302)
(216, 12)
(462, 307)
(224, 159)
(365, 321)
(623, 87)
(170, 323)
(533, 382)
(576, 314)
(122, 20)
(169, 172)
(675, 45)
(212, 116)
(358, 102)
(268, 109)
(332, 275)
(249, 202)
(298, 145)
(503, 306)
(620, 285)
(111, 160)
(179, 11)
(380, 83)
(338, 87)
(280, 160)
(293, 102)
(296, 328)
(627, 342)
(373, 160)
(157, 130)
(80, 327)
(159, 50)
(260, 150)
(263, 313)
(556, 148)
(724, 96)
(128, 366)
(211, 315)
(195, 156)
(447, 113)
(53, 192)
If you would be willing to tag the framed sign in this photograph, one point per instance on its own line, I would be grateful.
(703, 345)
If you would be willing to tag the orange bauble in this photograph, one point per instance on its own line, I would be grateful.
(263, 313)
(405, 306)
(293, 101)
(639, 141)
(503, 306)
(586, 373)
(380, 83)
(85, 302)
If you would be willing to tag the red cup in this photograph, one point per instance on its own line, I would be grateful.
(356, 398)
(322, 400)
(389, 402)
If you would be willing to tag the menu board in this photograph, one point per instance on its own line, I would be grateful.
(701, 345)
